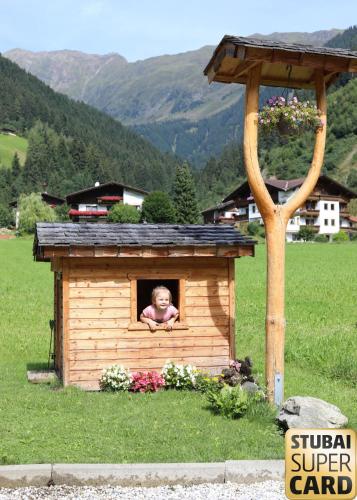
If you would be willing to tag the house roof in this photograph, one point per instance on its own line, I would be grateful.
(218, 207)
(286, 185)
(99, 188)
(46, 197)
(68, 235)
(235, 56)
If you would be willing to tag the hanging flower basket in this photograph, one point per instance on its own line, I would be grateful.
(289, 117)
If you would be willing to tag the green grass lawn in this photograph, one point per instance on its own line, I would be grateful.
(9, 144)
(42, 424)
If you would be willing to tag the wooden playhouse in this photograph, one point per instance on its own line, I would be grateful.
(103, 277)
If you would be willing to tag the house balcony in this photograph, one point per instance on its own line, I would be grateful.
(344, 212)
(109, 199)
(308, 212)
(87, 213)
(241, 218)
(313, 227)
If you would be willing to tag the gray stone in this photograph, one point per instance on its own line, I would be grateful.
(138, 474)
(307, 412)
(253, 471)
(41, 376)
(250, 387)
(14, 476)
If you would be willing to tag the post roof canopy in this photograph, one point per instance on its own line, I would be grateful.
(283, 64)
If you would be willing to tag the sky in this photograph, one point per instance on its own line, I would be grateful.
(139, 29)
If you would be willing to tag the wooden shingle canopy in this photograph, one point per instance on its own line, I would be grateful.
(283, 64)
(138, 240)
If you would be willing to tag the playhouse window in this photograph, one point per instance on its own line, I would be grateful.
(144, 287)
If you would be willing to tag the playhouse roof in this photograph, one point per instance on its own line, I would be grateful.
(138, 240)
(283, 64)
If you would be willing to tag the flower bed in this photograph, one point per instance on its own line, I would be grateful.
(227, 393)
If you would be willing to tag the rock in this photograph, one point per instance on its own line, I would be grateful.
(41, 377)
(306, 412)
(250, 387)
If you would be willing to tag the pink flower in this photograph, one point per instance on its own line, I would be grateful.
(146, 382)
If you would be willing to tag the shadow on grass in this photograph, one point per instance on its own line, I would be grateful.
(39, 366)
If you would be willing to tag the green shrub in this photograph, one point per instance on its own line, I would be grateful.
(6, 216)
(157, 208)
(61, 212)
(306, 234)
(321, 238)
(205, 383)
(233, 402)
(32, 209)
(353, 236)
(253, 228)
(340, 237)
(125, 214)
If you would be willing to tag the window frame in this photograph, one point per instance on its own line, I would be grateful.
(180, 324)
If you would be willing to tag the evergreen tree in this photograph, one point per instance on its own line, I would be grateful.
(15, 165)
(6, 216)
(184, 196)
(16, 177)
(157, 208)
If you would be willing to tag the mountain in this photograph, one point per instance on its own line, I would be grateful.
(317, 38)
(134, 93)
(166, 99)
(70, 144)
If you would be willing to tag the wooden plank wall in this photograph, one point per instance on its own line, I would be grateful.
(99, 312)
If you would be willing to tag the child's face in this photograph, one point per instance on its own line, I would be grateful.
(162, 300)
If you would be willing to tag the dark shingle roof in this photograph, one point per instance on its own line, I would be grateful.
(139, 235)
(289, 47)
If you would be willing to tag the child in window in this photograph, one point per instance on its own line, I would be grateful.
(161, 310)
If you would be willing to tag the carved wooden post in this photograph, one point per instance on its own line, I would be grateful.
(275, 219)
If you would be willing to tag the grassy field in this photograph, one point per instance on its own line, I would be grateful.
(43, 424)
(9, 144)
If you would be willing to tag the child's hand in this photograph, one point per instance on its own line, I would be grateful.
(153, 325)
(169, 325)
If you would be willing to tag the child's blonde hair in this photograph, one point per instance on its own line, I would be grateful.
(159, 289)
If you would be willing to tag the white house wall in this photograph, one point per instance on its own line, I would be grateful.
(133, 198)
(329, 215)
(91, 206)
(254, 213)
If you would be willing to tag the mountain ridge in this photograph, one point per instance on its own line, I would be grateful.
(166, 99)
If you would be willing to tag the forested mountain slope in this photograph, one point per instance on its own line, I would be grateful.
(166, 99)
(72, 145)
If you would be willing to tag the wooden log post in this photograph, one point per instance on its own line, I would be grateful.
(275, 219)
